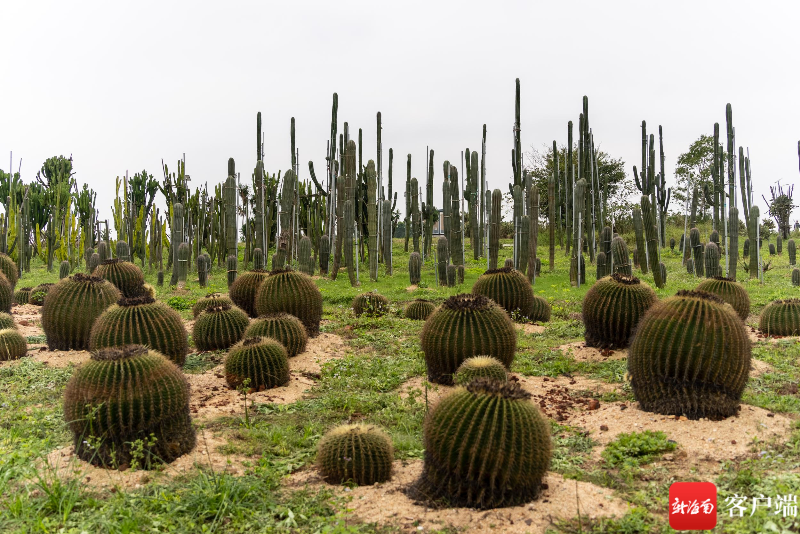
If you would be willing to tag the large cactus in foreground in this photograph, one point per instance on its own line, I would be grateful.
(612, 308)
(362, 454)
(690, 356)
(509, 443)
(781, 318)
(291, 292)
(730, 291)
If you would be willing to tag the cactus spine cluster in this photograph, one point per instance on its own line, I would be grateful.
(612, 308)
(730, 291)
(781, 318)
(362, 454)
(291, 292)
(261, 362)
(281, 326)
(219, 327)
(480, 367)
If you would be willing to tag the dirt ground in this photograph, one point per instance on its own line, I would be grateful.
(387, 503)
(531, 328)
(581, 353)
(28, 318)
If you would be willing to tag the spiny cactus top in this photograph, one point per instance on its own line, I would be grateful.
(71, 307)
(142, 321)
(211, 299)
(283, 327)
(260, 361)
(289, 291)
(612, 308)
(486, 446)
(463, 326)
(12, 345)
(243, 290)
(126, 276)
(730, 291)
(219, 327)
(507, 287)
(781, 318)
(9, 268)
(690, 356)
(355, 453)
(370, 304)
(123, 395)
(420, 309)
(480, 367)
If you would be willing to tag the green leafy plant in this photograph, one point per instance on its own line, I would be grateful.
(636, 448)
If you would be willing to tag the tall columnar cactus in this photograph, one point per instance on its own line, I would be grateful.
(203, 268)
(71, 307)
(730, 291)
(606, 235)
(620, 257)
(243, 290)
(792, 250)
(259, 362)
(176, 240)
(472, 197)
(494, 228)
(13, 345)
(102, 250)
(456, 239)
(755, 253)
(142, 321)
(219, 327)
(372, 218)
(441, 259)
(480, 367)
(451, 275)
(183, 261)
(349, 237)
(552, 201)
(416, 229)
(304, 259)
(324, 254)
(697, 251)
(651, 233)
(230, 267)
(229, 198)
(690, 356)
(419, 309)
(465, 326)
(779, 244)
(733, 249)
(283, 327)
(210, 300)
(414, 268)
(577, 235)
(523, 239)
(507, 287)
(533, 232)
(781, 318)
(612, 308)
(711, 258)
(509, 443)
(796, 277)
(126, 395)
(638, 227)
(386, 228)
(603, 269)
(291, 292)
(360, 454)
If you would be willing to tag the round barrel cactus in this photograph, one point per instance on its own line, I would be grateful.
(38, 293)
(464, 326)
(6, 321)
(260, 361)
(781, 318)
(12, 345)
(219, 327)
(125, 395)
(142, 321)
(126, 276)
(283, 327)
(540, 310)
(730, 291)
(507, 287)
(289, 291)
(72, 306)
(355, 453)
(690, 356)
(486, 446)
(211, 299)
(370, 304)
(612, 308)
(243, 290)
(6, 294)
(420, 309)
(480, 367)
(22, 295)
(9, 268)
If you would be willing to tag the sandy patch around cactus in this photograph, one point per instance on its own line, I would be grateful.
(204, 455)
(581, 353)
(387, 504)
(415, 387)
(28, 319)
(320, 349)
(758, 368)
(531, 328)
(757, 336)
(58, 358)
(412, 288)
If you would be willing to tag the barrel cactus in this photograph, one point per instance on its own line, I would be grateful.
(420, 309)
(38, 293)
(540, 310)
(355, 453)
(508, 444)
(690, 356)
(63, 269)
(612, 308)
(9, 268)
(463, 326)
(258, 363)
(288, 291)
(480, 367)
(22, 295)
(71, 308)
(142, 321)
(283, 327)
(123, 398)
(211, 299)
(370, 304)
(507, 287)
(126, 276)
(219, 327)
(6, 321)
(12, 345)
(730, 291)
(781, 318)
(243, 290)
(6, 294)
(414, 268)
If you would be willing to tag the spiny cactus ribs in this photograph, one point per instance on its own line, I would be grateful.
(243, 290)
(22, 295)
(219, 327)
(612, 308)
(480, 367)
(730, 291)
(6, 294)
(211, 299)
(466, 325)
(486, 446)
(370, 304)
(507, 287)
(781, 318)
(126, 276)
(38, 293)
(285, 290)
(283, 327)
(690, 356)
(355, 453)
(12, 345)
(420, 309)
(9, 268)
(123, 398)
(261, 362)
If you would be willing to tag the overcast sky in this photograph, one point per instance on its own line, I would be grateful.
(121, 87)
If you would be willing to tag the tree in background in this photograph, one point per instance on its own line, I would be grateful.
(780, 207)
(697, 164)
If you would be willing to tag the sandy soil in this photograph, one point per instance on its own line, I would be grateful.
(28, 319)
(58, 358)
(581, 353)
(387, 503)
(531, 328)
(758, 368)
(756, 336)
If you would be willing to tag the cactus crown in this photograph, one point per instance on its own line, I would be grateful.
(113, 354)
(216, 308)
(624, 279)
(80, 277)
(286, 269)
(704, 295)
(467, 301)
(26, 289)
(505, 390)
(787, 301)
(111, 261)
(500, 270)
(213, 295)
(126, 302)
(255, 340)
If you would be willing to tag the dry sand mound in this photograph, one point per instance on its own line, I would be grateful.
(581, 353)
(531, 328)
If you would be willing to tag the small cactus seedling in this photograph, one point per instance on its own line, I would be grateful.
(219, 327)
(362, 454)
(261, 362)
(730, 291)
(244, 288)
(420, 309)
(281, 326)
(480, 367)
(288, 291)
(781, 318)
(612, 308)
(370, 304)
(12, 345)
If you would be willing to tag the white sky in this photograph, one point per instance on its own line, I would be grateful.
(123, 87)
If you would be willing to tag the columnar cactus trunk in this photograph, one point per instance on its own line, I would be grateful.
(230, 266)
(386, 213)
(755, 250)
(430, 210)
(415, 214)
(231, 229)
(473, 198)
(523, 242)
(697, 251)
(177, 238)
(183, 261)
(651, 233)
(551, 207)
(408, 201)
(349, 231)
(516, 223)
(711, 258)
(533, 231)
(287, 211)
(456, 240)
(494, 228)
(577, 228)
(337, 251)
(447, 206)
(372, 219)
(441, 260)
(733, 251)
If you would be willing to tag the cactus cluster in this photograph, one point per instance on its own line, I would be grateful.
(261, 362)
(463, 326)
(71, 308)
(690, 356)
(486, 446)
(219, 327)
(244, 288)
(126, 395)
(781, 318)
(288, 291)
(362, 454)
(480, 367)
(142, 321)
(507, 287)
(420, 309)
(13, 345)
(612, 308)
(125, 276)
(283, 327)
(370, 304)
(730, 291)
